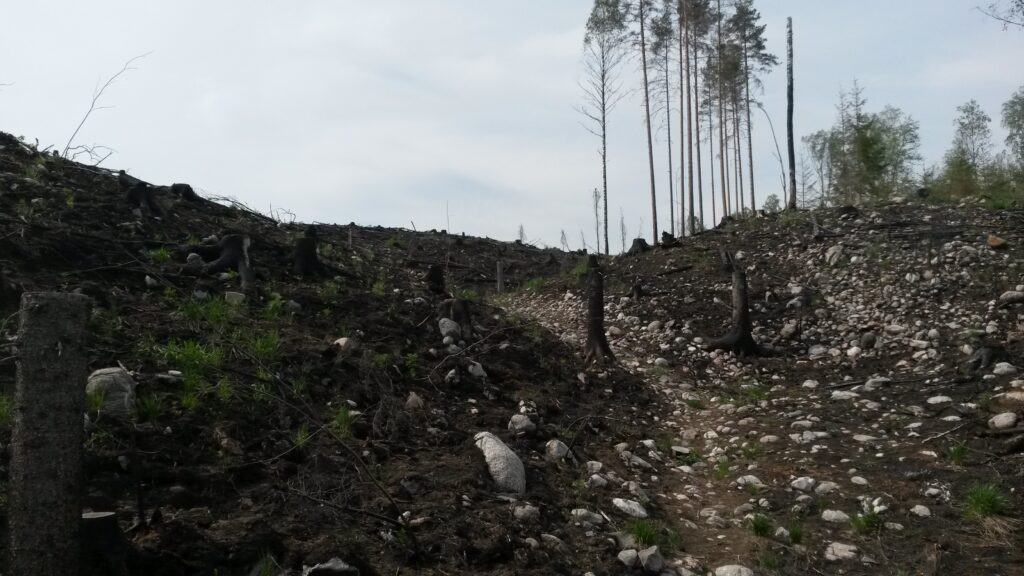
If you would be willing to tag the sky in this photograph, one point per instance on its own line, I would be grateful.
(446, 114)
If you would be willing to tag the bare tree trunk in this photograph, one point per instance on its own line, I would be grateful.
(684, 81)
(740, 340)
(499, 275)
(696, 143)
(789, 114)
(750, 129)
(722, 157)
(668, 134)
(597, 350)
(738, 155)
(45, 480)
(711, 144)
(604, 174)
(647, 117)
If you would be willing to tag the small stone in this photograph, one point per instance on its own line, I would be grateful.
(838, 551)
(449, 327)
(733, 570)
(476, 370)
(749, 480)
(651, 559)
(585, 516)
(234, 298)
(835, 516)
(1003, 421)
(629, 557)
(593, 466)
(347, 344)
(859, 480)
(844, 395)
(935, 400)
(921, 511)
(1004, 369)
(995, 242)
(526, 513)
(661, 362)
(333, 567)
(630, 507)
(504, 465)
(115, 389)
(555, 450)
(803, 484)
(521, 425)
(414, 402)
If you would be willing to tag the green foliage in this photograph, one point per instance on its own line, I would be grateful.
(652, 533)
(395, 243)
(695, 403)
(984, 500)
(761, 525)
(772, 204)
(752, 450)
(94, 400)
(796, 530)
(191, 356)
(579, 271)
(344, 419)
(867, 523)
(193, 389)
(212, 313)
(302, 436)
(753, 394)
(957, 452)
(768, 560)
(377, 288)
(722, 470)
(264, 348)
(224, 390)
(329, 290)
(688, 459)
(411, 363)
(148, 407)
(534, 283)
(159, 255)
(69, 198)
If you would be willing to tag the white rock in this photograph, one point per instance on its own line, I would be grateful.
(629, 557)
(844, 395)
(1003, 421)
(921, 511)
(521, 424)
(661, 362)
(835, 516)
(733, 570)
(414, 402)
(838, 551)
(1004, 369)
(117, 390)
(859, 481)
(504, 465)
(555, 450)
(803, 483)
(630, 507)
(449, 327)
(854, 352)
(749, 480)
(234, 298)
(934, 400)
(526, 513)
(347, 344)
(585, 516)
(651, 559)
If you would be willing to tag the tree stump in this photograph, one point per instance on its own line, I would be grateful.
(499, 275)
(435, 279)
(140, 194)
(185, 192)
(104, 542)
(739, 341)
(597, 350)
(234, 253)
(457, 310)
(304, 257)
(639, 245)
(45, 481)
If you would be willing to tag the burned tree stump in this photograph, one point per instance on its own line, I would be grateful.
(185, 192)
(305, 258)
(668, 240)
(639, 245)
(234, 254)
(435, 279)
(45, 480)
(457, 310)
(597, 350)
(104, 543)
(740, 340)
(140, 194)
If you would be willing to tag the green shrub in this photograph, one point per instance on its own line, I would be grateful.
(761, 525)
(344, 420)
(984, 500)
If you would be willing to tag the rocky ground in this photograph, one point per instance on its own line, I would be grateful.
(357, 423)
(879, 431)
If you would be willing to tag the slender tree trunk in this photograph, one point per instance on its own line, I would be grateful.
(722, 158)
(604, 174)
(44, 486)
(597, 350)
(696, 128)
(647, 117)
(668, 134)
(750, 130)
(738, 152)
(789, 114)
(711, 143)
(684, 104)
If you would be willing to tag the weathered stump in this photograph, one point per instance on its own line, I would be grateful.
(597, 350)
(435, 279)
(499, 275)
(740, 340)
(305, 259)
(45, 481)
(639, 245)
(457, 310)
(104, 542)
(234, 253)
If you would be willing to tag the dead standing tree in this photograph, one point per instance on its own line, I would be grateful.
(740, 340)
(597, 350)
(46, 441)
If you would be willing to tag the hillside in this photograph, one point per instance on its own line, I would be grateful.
(329, 424)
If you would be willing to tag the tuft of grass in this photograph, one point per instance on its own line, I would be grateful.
(299, 385)
(411, 362)
(752, 450)
(957, 452)
(94, 400)
(264, 348)
(984, 500)
(344, 419)
(193, 389)
(212, 312)
(534, 283)
(695, 403)
(395, 243)
(768, 560)
(191, 356)
(579, 272)
(148, 407)
(644, 532)
(722, 470)
(796, 530)
(753, 394)
(224, 390)
(5, 409)
(688, 459)
(330, 290)
(160, 255)
(867, 523)
(377, 288)
(761, 525)
(302, 436)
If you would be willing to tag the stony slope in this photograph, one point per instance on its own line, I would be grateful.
(864, 440)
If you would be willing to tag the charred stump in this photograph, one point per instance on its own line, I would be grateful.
(457, 310)
(639, 245)
(305, 258)
(140, 195)
(435, 279)
(104, 543)
(597, 350)
(668, 240)
(740, 340)
(233, 254)
(45, 478)
(185, 192)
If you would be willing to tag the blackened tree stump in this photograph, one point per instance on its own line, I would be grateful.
(597, 350)
(740, 340)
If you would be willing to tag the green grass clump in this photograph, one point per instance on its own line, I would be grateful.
(957, 453)
(868, 523)
(411, 362)
(648, 533)
(722, 470)
(302, 436)
(695, 403)
(377, 288)
(159, 255)
(344, 420)
(688, 459)
(191, 356)
(796, 530)
(534, 283)
(753, 394)
(148, 407)
(211, 312)
(264, 348)
(761, 525)
(984, 500)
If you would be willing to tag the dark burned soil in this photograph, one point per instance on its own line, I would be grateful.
(327, 417)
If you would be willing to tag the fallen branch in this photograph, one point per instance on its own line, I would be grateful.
(937, 436)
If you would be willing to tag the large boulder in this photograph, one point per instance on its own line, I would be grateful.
(504, 465)
(117, 389)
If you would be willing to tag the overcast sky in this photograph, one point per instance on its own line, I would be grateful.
(430, 111)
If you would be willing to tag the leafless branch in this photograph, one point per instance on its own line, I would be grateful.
(96, 97)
